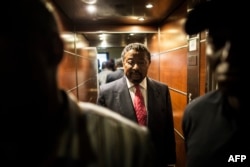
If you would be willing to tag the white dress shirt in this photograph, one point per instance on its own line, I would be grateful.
(143, 87)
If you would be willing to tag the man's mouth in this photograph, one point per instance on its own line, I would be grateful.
(136, 76)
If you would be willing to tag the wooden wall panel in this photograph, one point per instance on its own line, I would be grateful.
(86, 74)
(153, 43)
(173, 69)
(67, 72)
(178, 104)
(87, 93)
(203, 67)
(153, 71)
(77, 72)
(180, 151)
(172, 36)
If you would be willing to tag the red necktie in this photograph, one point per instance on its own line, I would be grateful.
(140, 108)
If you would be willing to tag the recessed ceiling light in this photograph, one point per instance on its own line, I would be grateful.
(149, 5)
(141, 18)
(89, 1)
(91, 8)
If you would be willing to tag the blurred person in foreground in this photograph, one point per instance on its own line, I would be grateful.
(216, 125)
(119, 96)
(43, 126)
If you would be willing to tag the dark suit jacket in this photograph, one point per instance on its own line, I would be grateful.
(116, 96)
(214, 131)
(115, 75)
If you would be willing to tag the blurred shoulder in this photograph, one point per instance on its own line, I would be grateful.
(106, 121)
(107, 131)
(104, 115)
(212, 97)
(204, 104)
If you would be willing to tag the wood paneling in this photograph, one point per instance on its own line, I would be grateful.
(173, 69)
(180, 151)
(153, 43)
(178, 104)
(153, 70)
(67, 72)
(203, 67)
(86, 74)
(172, 36)
(77, 72)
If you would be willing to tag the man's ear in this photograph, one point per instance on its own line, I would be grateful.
(57, 47)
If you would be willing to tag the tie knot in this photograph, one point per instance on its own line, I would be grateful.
(137, 89)
(137, 86)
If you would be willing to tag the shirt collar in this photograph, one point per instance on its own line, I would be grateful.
(143, 83)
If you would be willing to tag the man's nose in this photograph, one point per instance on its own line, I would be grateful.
(136, 66)
(225, 52)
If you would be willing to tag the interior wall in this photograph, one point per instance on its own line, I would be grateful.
(169, 65)
(77, 73)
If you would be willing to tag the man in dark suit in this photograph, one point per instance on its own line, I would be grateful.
(118, 73)
(118, 96)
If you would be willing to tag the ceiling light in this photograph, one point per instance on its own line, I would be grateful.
(149, 5)
(89, 1)
(102, 36)
(104, 44)
(91, 8)
(141, 18)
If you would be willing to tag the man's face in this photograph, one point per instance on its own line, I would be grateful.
(135, 66)
(226, 61)
(217, 57)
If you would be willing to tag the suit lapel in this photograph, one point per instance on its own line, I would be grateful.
(153, 94)
(123, 97)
